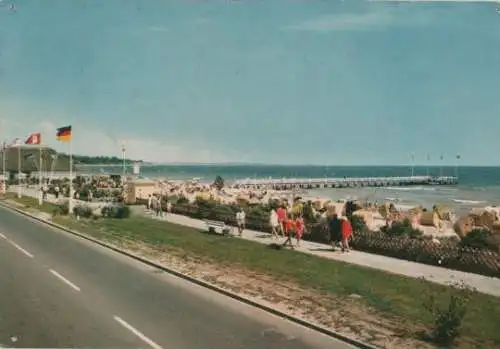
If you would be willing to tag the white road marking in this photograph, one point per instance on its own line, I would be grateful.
(2, 236)
(63, 279)
(137, 333)
(20, 249)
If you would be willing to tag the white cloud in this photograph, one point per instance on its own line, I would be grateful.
(375, 18)
(379, 17)
(468, 1)
(344, 21)
(91, 140)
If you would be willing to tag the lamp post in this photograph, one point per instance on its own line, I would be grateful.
(441, 165)
(38, 166)
(4, 154)
(123, 160)
(412, 157)
(428, 162)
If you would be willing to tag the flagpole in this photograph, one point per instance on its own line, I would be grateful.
(40, 197)
(428, 160)
(70, 202)
(19, 170)
(4, 188)
(441, 166)
(412, 164)
(123, 160)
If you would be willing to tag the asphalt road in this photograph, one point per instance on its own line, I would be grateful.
(57, 290)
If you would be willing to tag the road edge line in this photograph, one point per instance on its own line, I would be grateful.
(199, 282)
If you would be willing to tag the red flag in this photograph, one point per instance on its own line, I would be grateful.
(34, 138)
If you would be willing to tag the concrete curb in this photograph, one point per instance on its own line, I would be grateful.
(199, 282)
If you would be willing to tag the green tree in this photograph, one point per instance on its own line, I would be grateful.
(219, 182)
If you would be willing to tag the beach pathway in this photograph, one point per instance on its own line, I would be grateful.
(484, 284)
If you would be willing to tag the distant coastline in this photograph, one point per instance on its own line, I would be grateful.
(102, 160)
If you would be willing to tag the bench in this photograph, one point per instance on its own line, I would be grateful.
(217, 227)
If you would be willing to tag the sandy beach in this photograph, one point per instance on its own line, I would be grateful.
(372, 211)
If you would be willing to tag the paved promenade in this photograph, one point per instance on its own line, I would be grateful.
(439, 275)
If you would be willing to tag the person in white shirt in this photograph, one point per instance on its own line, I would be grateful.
(274, 223)
(150, 201)
(240, 221)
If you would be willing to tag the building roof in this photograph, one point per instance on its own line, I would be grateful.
(142, 181)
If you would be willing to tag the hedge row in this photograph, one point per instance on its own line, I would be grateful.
(84, 211)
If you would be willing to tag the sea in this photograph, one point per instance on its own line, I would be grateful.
(477, 186)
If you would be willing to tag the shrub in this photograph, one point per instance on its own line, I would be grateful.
(358, 223)
(318, 232)
(402, 228)
(123, 211)
(82, 211)
(107, 211)
(219, 183)
(205, 204)
(258, 212)
(181, 200)
(62, 209)
(448, 317)
(477, 238)
(116, 211)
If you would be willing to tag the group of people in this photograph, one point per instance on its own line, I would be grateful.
(154, 204)
(287, 225)
(340, 229)
(292, 226)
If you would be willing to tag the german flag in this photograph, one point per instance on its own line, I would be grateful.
(64, 134)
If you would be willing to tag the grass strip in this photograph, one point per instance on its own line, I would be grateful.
(394, 295)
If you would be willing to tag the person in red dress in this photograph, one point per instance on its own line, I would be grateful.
(346, 234)
(299, 229)
(289, 224)
(281, 212)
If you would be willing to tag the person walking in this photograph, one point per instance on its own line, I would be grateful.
(169, 207)
(299, 229)
(282, 216)
(289, 224)
(346, 234)
(335, 228)
(274, 223)
(159, 210)
(150, 201)
(240, 221)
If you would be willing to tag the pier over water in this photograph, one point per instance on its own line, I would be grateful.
(314, 183)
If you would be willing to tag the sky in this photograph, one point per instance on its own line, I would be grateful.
(284, 82)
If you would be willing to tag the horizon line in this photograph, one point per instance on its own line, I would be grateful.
(152, 163)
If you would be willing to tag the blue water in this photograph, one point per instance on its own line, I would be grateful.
(478, 186)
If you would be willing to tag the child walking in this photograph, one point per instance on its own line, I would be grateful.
(299, 229)
(289, 224)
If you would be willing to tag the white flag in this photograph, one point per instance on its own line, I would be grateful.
(15, 143)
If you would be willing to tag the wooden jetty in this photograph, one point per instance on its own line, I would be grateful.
(315, 183)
